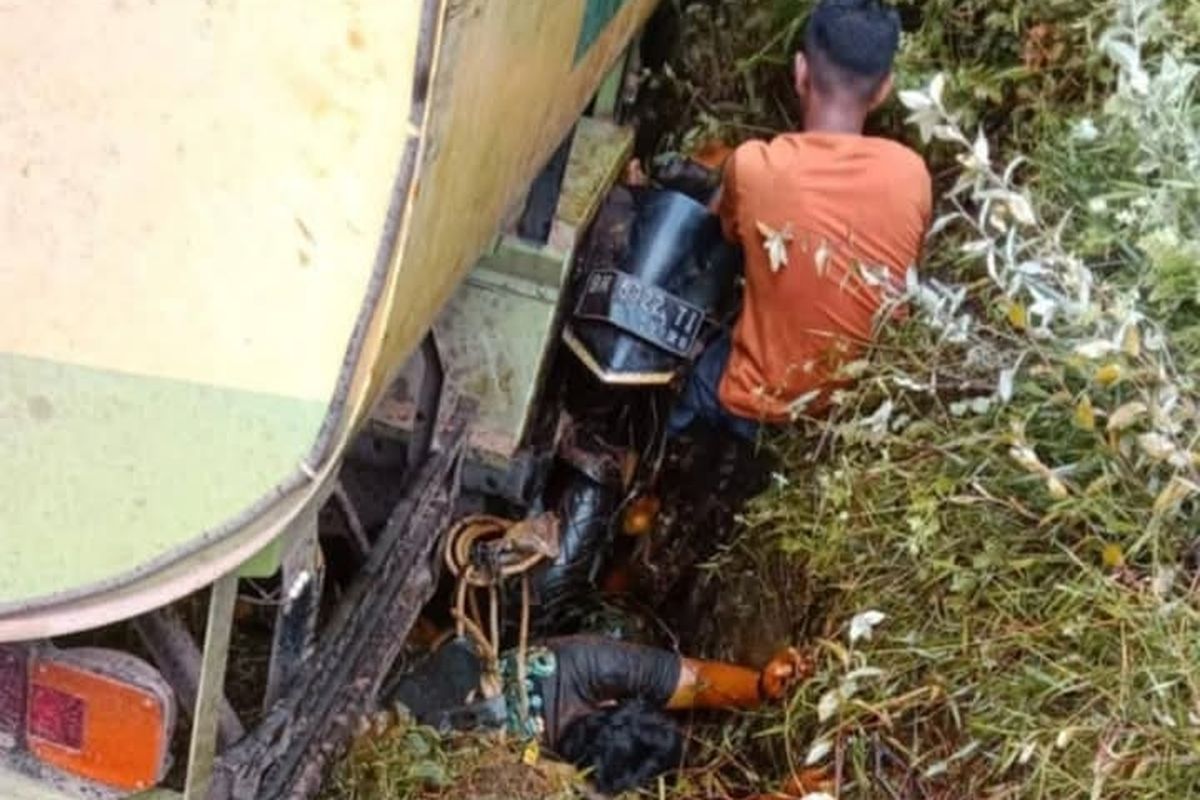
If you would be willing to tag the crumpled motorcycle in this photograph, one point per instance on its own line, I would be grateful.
(656, 284)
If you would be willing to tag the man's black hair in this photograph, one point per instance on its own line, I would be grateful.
(623, 747)
(851, 44)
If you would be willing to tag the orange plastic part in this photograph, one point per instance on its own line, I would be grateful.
(124, 729)
(619, 580)
(715, 685)
(640, 515)
(712, 153)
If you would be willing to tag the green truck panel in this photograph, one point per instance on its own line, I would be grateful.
(136, 467)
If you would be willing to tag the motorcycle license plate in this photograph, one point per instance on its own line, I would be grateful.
(645, 311)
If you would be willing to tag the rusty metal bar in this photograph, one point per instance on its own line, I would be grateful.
(177, 656)
(289, 753)
(302, 578)
(429, 400)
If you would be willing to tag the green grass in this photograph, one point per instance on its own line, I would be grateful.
(1035, 555)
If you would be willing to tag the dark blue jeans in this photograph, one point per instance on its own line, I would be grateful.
(700, 398)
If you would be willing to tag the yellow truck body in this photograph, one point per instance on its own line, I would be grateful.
(224, 227)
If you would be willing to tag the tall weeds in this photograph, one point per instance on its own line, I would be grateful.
(1000, 526)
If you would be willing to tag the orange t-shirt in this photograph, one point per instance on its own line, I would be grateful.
(852, 211)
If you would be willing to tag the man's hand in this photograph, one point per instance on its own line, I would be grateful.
(713, 684)
(635, 173)
(784, 671)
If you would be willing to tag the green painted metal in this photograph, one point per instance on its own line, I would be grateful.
(596, 16)
(609, 93)
(103, 472)
(202, 749)
(495, 337)
(265, 563)
(499, 330)
(302, 576)
(599, 153)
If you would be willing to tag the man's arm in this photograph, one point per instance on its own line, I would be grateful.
(598, 670)
(601, 670)
(724, 202)
(714, 684)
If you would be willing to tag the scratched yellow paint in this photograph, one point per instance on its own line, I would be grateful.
(194, 197)
(197, 190)
(507, 94)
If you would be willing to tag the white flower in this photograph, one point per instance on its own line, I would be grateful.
(798, 406)
(905, 382)
(1098, 205)
(1095, 349)
(927, 111)
(1027, 458)
(937, 87)
(1139, 81)
(828, 705)
(1022, 209)
(1126, 416)
(1164, 579)
(1157, 446)
(863, 673)
(817, 751)
(915, 100)
(776, 244)
(877, 423)
(980, 405)
(981, 151)
(1126, 217)
(863, 624)
(1085, 131)
(1006, 383)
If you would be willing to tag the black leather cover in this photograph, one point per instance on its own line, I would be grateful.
(676, 244)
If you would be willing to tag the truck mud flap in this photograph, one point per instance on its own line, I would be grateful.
(288, 755)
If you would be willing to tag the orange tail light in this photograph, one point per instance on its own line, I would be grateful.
(100, 715)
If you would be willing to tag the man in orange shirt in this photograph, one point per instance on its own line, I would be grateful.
(830, 221)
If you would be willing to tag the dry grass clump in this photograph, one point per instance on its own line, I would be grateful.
(1034, 637)
(408, 762)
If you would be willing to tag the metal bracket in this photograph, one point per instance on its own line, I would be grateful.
(287, 756)
(538, 218)
(429, 399)
(178, 658)
(610, 95)
(301, 582)
(203, 747)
